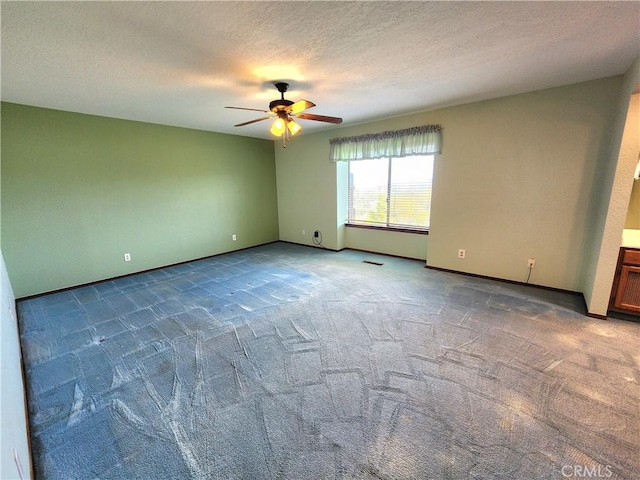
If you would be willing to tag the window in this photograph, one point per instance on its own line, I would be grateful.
(391, 192)
(390, 176)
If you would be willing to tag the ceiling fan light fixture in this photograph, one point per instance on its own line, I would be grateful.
(278, 127)
(284, 125)
(293, 127)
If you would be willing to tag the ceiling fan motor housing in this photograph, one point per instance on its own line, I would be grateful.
(278, 105)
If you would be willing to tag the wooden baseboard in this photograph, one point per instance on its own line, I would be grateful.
(25, 395)
(504, 280)
(72, 287)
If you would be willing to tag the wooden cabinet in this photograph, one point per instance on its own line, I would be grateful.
(625, 295)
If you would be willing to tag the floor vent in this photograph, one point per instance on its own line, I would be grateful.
(372, 262)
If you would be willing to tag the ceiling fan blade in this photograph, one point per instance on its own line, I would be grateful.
(253, 121)
(319, 118)
(251, 109)
(299, 106)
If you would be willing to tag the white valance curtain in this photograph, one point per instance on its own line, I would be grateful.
(422, 140)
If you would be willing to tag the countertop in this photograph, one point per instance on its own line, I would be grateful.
(631, 238)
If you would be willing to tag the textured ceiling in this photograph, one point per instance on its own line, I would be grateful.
(180, 63)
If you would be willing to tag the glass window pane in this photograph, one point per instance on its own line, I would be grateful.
(400, 197)
(410, 196)
(368, 181)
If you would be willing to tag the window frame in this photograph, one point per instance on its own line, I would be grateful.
(379, 226)
(388, 229)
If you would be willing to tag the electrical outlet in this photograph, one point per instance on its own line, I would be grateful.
(304, 232)
(233, 237)
(462, 253)
(531, 263)
(316, 234)
(127, 257)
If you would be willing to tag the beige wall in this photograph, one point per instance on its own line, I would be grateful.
(633, 214)
(410, 245)
(612, 200)
(14, 442)
(514, 181)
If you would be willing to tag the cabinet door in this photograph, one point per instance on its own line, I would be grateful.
(628, 294)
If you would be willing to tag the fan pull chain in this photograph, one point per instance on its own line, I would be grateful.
(285, 137)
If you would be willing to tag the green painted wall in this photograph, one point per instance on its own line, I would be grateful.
(516, 179)
(79, 191)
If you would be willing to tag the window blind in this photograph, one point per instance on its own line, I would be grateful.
(391, 192)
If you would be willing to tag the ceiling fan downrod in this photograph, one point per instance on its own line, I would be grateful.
(282, 87)
(277, 105)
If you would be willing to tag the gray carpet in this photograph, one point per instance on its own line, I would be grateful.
(288, 362)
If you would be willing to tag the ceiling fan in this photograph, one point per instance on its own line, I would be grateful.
(284, 111)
